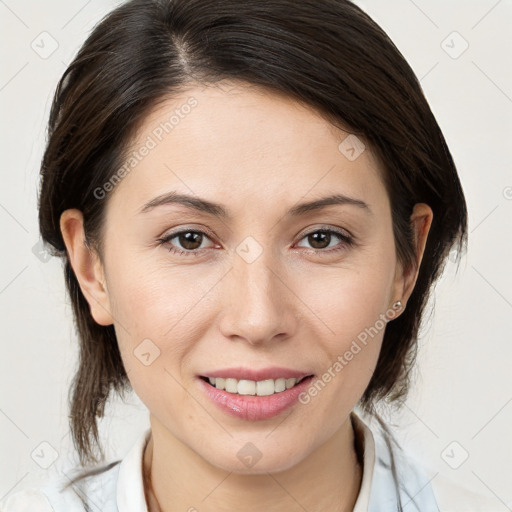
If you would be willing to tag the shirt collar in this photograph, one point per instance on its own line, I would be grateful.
(365, 435)
(130, 487)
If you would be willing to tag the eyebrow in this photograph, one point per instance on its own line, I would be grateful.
(217, 210)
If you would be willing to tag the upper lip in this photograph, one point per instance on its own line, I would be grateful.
(243, 373)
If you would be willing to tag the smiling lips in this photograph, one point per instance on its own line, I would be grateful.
(255, 394)
(255, 399)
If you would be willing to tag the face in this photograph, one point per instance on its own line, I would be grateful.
(268, 284)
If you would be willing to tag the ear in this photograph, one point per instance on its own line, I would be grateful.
(86, 265)
(421, 220)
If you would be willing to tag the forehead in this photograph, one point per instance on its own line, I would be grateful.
(244, 143)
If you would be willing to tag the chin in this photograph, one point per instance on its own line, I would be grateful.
(250, 460)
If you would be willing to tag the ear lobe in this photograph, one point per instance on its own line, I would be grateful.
(86, 265)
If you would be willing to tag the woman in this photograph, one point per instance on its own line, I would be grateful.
(253, 201)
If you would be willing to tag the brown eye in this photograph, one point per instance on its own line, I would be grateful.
(186, 242)
(189, 240)
(321, 239)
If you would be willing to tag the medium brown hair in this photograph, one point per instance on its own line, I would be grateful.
(327, 54)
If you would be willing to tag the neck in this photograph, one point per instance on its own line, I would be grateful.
(328, 479)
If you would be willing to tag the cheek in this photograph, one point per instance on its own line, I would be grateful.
(160, 311)
(154, 335)
(354, 300)
(156, 300)
(350, 354)
(354, 308)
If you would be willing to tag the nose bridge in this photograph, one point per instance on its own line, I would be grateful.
(256, 278)
(258, 309)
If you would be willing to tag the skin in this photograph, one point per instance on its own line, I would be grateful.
(296, 305)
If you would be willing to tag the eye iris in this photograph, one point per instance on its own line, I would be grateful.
(188, 240)
(313, 239)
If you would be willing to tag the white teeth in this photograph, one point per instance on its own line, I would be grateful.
(279, 385)
(246, 387)
(290, 383)
(250, 387)
(231, 386)
(265, 387)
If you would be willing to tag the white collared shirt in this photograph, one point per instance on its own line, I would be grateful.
(118, 486)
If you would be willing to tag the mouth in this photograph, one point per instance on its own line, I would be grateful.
(255, 400)
(262, 388)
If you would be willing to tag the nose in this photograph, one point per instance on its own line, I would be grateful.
(259, 305)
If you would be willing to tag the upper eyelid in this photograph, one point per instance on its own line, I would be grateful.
(174, 234)
(338, 230)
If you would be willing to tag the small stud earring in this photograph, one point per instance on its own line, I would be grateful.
(397, 305)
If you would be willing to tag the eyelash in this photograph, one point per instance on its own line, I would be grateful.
(346, 241)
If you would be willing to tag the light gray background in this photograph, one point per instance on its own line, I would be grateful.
(462, 400)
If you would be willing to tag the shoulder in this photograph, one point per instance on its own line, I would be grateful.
(395, 479)
(423, 480)
(26, 501)
(91, 490)
(117, 485)
(448, 495)
(451, 495)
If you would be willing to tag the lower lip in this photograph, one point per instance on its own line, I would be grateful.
(248, 407)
